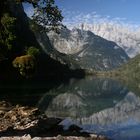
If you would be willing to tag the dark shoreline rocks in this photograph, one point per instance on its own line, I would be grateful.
(28, 123)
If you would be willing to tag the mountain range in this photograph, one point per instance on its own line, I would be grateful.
(125, 36)
(82, 49)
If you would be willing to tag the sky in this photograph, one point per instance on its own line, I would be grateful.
(92, 11)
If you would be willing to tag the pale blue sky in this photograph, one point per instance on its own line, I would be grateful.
(75, 11)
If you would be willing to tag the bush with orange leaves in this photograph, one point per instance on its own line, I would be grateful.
(25, 64)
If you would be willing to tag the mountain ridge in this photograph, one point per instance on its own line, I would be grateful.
(124, 36)
(87, 50)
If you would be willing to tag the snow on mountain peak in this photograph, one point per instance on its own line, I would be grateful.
(124, 36)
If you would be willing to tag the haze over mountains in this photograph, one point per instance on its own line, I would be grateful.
(126, 37)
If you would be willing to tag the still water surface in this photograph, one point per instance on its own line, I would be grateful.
(100, 105)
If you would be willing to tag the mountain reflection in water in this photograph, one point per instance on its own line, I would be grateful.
(98, 105)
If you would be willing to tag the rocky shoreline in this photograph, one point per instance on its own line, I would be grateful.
(28, 123)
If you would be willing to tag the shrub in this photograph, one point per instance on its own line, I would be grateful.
(32, 51)
(25, 64)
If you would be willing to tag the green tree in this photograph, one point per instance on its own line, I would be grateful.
(46, 13)
(32, 51)
(7, 33)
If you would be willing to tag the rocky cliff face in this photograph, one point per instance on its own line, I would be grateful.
(125, 37)
(88, 50)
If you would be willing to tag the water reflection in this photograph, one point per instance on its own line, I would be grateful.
(98, 105)
(81, 98)
(125, 114)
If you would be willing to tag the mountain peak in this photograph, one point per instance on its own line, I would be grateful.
(87, 50)
(124, 37)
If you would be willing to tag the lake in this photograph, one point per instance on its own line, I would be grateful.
(100, 105)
